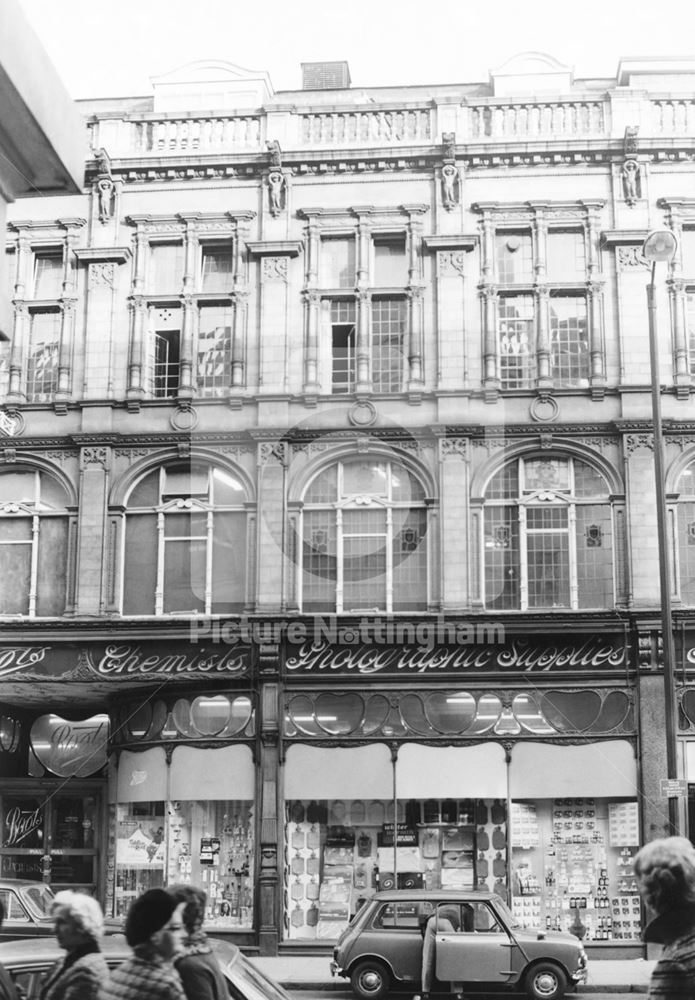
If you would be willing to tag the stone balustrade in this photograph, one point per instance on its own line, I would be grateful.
(536, 119)
(673, 116)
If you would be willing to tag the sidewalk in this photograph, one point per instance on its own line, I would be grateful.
(311, 972)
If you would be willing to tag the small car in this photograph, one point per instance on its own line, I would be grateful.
(29, 960)
(27, 908)
(381, 949)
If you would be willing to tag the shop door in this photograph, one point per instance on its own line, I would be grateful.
(50, 837)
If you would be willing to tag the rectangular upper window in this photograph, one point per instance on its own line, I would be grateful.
(566, 256)
(390, 262)
(217, 269)
(166, 268)
(514, 257)
(338, 262)
(42, 363)
(688, 252)
(48, 274)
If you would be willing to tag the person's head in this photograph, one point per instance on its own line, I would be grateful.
(194, 901)
(155, 921)
(78, 919)
(665, 871)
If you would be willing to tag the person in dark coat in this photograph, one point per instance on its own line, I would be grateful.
(79, 923)
(665, 871)
(200, 971)
(154, 930)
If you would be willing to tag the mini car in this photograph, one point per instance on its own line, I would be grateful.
(29, 960)
(27, 908)
(381, 949)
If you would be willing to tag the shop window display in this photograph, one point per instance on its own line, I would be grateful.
(572, 867)
(207, 843)
(339, 853)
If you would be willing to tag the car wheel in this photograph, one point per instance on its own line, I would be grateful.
(545, 981)
(370, 980)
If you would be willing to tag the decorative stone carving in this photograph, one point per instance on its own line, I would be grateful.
(450, 186)
(102, 273)
(632, 181)
(453, 448)
(629, 257)
(275, 268)
(635, 441)
(277, 192)
(273, 451)
(94, 456)
(451, 261)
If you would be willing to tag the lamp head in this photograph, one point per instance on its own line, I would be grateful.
(660, 244)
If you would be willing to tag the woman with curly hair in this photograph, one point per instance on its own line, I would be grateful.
(79, 923)
(200, 971)
(665, 871)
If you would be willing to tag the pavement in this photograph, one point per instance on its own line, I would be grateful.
(311, 972)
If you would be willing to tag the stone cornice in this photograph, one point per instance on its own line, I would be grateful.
(274, 248)
(462, 241)
(89, 255)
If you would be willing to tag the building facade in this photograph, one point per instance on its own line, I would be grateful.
(327, 497)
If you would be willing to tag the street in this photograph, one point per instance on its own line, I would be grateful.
(348, 995)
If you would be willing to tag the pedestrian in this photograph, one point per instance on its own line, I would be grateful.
(154, 930)
(7, 987)
(200, 971)
(665, 871)
(79, 924)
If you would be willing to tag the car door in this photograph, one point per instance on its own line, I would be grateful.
(480, 950)
(395, 935)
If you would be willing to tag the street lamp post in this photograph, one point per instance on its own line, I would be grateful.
(661, 246)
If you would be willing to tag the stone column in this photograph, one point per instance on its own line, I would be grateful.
(16, 387)
(594, 290)
(271, 521)
(136, 357)
(95, 463)
(363, 379)
(189, 336)
(416, 382)
(491, 378)
(273, 354)
(67, 332)
(676, 289)
(240, 302)
(453, 472)
(312, 300)
(543, 377)
(450, 297)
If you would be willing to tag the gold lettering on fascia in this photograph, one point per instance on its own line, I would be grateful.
(312, 657)
(13, 658)
(132, 660)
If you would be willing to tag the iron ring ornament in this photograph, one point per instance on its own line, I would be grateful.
(469, 714)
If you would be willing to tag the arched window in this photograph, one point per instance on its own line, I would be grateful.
(686, 534)
(548, 536)
(185, 542)
(364, 539)
(33, 544)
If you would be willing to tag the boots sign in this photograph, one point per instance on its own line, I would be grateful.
(70, 749)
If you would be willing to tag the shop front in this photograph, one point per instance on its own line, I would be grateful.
(511, 767)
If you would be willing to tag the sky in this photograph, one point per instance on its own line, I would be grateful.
(113, 49)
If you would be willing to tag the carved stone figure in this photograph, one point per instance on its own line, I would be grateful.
(631, 181)
(449, 186)
(273, 147)
(276, 192)
(105, 191)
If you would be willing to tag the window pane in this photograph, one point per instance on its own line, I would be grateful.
(338, 263)
(687, 241)
(364, 559)
(566, 260)
(388, 329)
(324, 488)
(514, 257)
(516, 341)
(140, 572)
(686, 551)
(217, 269)
(42, 364)
(370, 478)
(404, 486)
(504, 484)
(319, 562)
(588, 482)
(546, 474)
(548, 560)
(501, 558)
(569, 341)
(690, 328)
(52, 566)
(184, 575)
(594, 556)
(390, 263)
(15, 579)
(18, 487)
(409, 559)
(48, 275)
(229, 562)
(227, 489)
(146, 492)
(53, 496)
(185, 481)
(342, 345)
(214, 363)
(186, 525)
(166, 267)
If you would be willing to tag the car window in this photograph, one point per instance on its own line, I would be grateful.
(484, 920)
(14, 911)
(29, 983)
(41, 898)
(246, 982)
(401, 915)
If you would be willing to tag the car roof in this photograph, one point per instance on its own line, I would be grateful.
(20, 883)
(445, 895)
(114, 946)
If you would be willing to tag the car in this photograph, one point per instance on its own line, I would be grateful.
(29, 960)
(381, 949)
(27, 906)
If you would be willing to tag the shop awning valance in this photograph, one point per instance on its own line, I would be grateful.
(142, 777)
(338, 772)
(544, 770)
(426, 772)
(222, 773)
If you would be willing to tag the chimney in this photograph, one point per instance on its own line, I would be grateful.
(325, 76)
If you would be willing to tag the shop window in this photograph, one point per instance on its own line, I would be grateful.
(185, 542)
(548, 537)
(364, 542)
(33, 545)
(686, 534)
